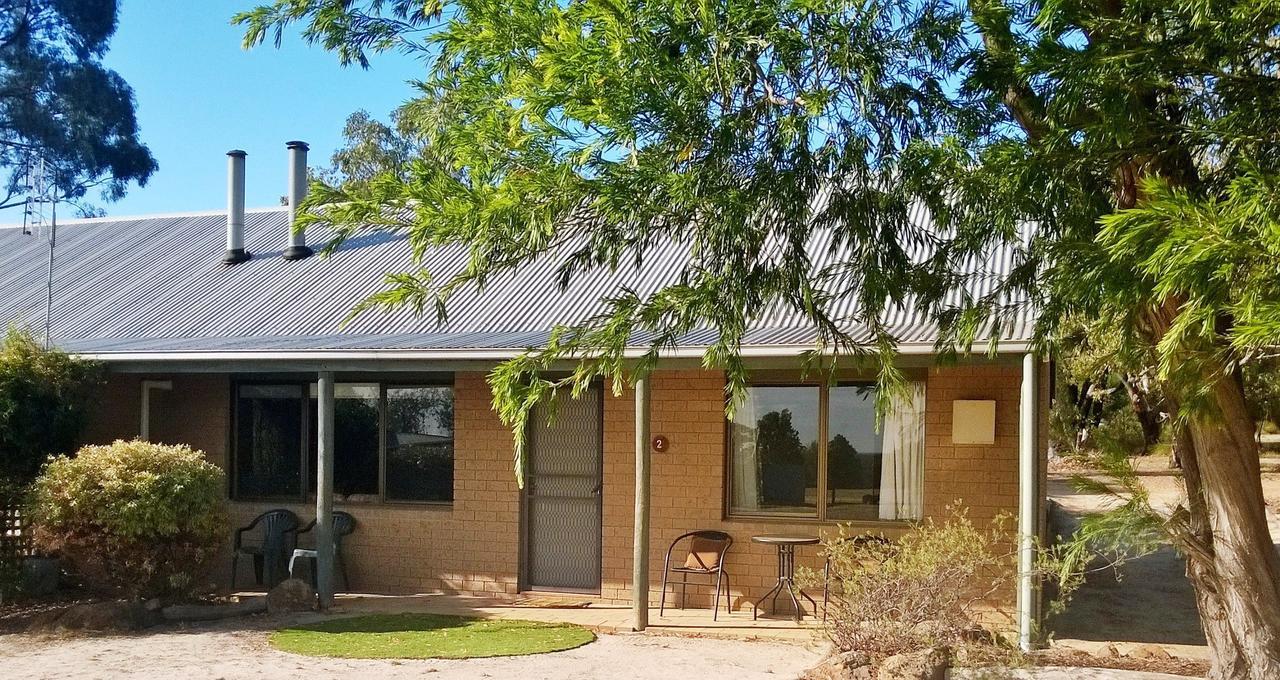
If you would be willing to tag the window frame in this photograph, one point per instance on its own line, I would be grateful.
(304, 450)
(234, 440)
(382, 444)
(820, 511)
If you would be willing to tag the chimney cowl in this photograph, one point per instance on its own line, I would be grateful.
(235, 252)
(297, 249)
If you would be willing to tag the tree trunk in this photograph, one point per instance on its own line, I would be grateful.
(1148, 417)
(1244, 563)
(1227, 660)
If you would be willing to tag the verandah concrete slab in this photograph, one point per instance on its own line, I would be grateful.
(601, 617)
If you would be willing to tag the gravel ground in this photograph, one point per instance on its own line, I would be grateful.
(227, 652)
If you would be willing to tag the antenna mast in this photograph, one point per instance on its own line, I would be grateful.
(37, 220)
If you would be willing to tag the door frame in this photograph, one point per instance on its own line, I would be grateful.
(522, 580)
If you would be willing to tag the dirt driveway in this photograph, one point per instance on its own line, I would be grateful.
(236, 652)
(1146, 600)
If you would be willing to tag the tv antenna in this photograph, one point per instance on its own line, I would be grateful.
(40, 218)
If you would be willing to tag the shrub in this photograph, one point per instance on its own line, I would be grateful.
(922, 589)
(43, 399)
(133, 518)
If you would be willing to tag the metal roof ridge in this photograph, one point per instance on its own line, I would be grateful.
(153, 216)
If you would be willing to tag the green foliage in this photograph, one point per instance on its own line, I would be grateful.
(1262, 391)
(594, 130)
(924, 588)
(428, 636)
(1215, 255)
(133, 518)
(44, 395)
(58, 98)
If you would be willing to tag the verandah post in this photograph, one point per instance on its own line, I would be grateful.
(1028, 498)
(640, 544)
(324, 489)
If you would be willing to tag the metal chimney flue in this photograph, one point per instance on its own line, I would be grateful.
(297, 249)
(235, 209)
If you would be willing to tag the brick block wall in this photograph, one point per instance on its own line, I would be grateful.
(474, 545)
(688, 480)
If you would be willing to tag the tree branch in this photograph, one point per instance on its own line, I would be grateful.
(994, 22)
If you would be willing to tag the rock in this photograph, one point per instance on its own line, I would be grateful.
(292, 595)
(842, 666)
(111, 616)
(214, 612)
(1154, 652)
(930, 631)
(926, 664)
(1110, 650)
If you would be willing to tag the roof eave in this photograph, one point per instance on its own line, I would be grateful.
(471, 354)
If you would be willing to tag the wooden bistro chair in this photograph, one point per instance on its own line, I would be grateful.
(278, 527)
(343, 525)
(705, 557)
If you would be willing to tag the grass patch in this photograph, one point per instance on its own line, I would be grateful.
(427, 636)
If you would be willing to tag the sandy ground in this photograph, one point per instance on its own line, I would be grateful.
(226, 651)
(1147, 600)
(230, 652)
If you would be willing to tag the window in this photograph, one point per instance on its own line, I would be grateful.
(774, 450)
(420, 443)
(355, 439)
(390, 442)
(268, 440)
(809, 451)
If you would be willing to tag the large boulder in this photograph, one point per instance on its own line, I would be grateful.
(842, 666)
(292, 595)
(925, 664)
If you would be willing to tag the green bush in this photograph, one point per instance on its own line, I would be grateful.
(43, 399)
(929, 586)
(133, 518)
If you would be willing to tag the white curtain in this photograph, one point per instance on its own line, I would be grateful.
(902, 465)
(745, 459)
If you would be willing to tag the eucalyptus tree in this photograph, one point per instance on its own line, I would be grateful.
(370, 148)
(741, 127)
(59, 104)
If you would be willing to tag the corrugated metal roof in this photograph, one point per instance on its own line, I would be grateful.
(157, 285)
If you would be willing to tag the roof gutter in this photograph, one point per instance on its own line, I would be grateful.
(496, 354)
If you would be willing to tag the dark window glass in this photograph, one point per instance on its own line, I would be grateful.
(269, 441)
(774, 452)
(355, 439)
(853, 454)
(420, 444)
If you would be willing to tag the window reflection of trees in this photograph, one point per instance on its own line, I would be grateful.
(420, 444)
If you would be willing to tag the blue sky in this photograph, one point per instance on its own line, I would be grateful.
(199, 95)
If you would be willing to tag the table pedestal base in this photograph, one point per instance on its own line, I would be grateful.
(786, 581)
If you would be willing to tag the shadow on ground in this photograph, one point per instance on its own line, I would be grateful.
(1147, 600)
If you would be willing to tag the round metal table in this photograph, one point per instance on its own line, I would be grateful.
(786, 546)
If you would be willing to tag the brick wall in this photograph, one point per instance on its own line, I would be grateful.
(474, 545)
(688, 480)
(471, 546)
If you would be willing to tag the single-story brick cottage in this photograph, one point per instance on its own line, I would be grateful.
(218, 331)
